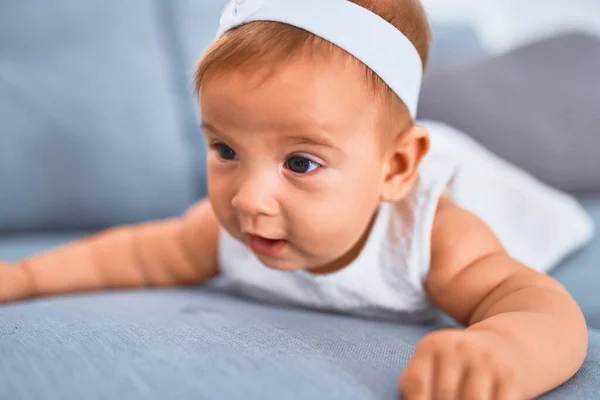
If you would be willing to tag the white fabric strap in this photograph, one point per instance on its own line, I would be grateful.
(360, 32)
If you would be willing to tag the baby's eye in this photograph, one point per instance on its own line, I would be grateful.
(225, 152)
(301, 165)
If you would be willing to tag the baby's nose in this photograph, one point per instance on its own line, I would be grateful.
(255, 198)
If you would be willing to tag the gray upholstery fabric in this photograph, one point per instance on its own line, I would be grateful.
(536, 106)
(190, 345)
(92, 125)
(205, 344)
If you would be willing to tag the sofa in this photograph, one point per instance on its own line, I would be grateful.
(99, 127)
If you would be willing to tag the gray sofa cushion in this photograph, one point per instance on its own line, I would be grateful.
(536, 106)
(199, 344)
(92, 130)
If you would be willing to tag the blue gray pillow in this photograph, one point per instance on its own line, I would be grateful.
(536, 106)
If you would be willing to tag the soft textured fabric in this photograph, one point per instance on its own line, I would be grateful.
(536, 106)
(538, 225)
(92, 132)
(202, 345)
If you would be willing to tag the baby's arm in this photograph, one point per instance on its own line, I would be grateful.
(173, 252)
(525, 334)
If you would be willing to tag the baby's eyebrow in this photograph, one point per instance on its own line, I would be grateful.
(309, 140)
(208, 127)
(289, 139)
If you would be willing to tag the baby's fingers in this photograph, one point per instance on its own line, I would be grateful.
(507, 387)
(448, 376)
(416, 382)
(478, 384)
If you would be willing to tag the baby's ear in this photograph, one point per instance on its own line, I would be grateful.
(402, 163)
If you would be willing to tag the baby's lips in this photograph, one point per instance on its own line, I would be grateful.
(267, 247)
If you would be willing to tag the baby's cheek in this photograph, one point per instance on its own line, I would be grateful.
(221, 204)
(349, 216)
(333, 230)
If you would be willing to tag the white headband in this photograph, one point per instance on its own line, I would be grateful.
(360, 32)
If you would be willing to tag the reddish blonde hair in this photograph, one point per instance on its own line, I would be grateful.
(267, 45)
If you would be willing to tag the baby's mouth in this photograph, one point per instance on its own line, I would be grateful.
(267, 247)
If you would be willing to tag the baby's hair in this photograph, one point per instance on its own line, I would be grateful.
(267, 45)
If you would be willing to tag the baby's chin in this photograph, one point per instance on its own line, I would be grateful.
(289, 261)
(281, 263)
(291, 265)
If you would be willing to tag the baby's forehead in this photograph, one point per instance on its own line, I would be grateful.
(320, 66)
(299, 87)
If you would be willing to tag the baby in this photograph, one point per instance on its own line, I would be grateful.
(320, 195)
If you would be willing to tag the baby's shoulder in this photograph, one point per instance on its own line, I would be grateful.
(459, 238)
(457, 230)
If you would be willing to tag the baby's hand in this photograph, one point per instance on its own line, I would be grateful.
(453, 364)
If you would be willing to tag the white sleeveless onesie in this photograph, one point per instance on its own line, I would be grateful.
(537, 224)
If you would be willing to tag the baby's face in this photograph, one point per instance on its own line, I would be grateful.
(294, 167)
